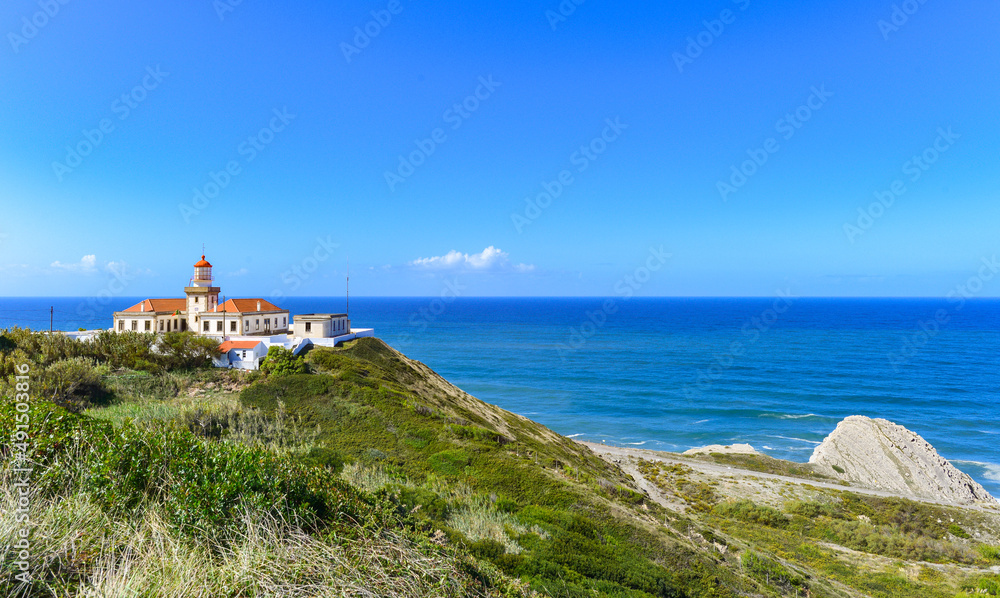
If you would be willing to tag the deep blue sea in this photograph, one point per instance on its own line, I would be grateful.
(675, 373)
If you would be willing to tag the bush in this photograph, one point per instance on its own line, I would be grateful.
(279, 361)
(770, 572)
(750, 512)
(202, 485)
(450, 462)
(186, 350)
(812, 509)
(990, 553)
(73, 384)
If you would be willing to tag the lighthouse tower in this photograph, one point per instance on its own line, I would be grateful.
(201, 295)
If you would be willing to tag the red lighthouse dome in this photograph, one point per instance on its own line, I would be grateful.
(202, 272)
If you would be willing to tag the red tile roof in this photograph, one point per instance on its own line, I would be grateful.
(230, 345)
(159, 305)
(246, 305)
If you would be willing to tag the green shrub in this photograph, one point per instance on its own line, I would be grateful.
(280, 361)
(72, 383)
(957, 531)
(750, 512)
(812, 509)
(488, 549)
(451, 462)
(990, 553)
(201, 484)
(324, 457)
(988, 586)
(770, 572)
(421, 501)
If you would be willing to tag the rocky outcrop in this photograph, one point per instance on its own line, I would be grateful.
(879, 454)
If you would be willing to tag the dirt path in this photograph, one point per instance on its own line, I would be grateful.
(627, 459)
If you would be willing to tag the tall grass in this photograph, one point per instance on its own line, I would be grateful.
(474, 515)
(220, 416)
(478, 519)
(78, 550)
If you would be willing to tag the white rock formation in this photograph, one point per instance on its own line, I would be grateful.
(879, 454)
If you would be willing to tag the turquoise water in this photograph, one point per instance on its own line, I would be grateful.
(671, 374)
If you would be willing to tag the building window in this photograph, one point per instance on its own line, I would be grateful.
(257, 323)
(146, 327)
(184, 325)
(135, 325)
(309, 326)
(244, 355)
(284, 322)
(205, 327)
(161, 325)
(232, 326)
(121, 325)
(218, 326)
(196, 300)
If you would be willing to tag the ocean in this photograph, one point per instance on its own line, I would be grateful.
(674, 373)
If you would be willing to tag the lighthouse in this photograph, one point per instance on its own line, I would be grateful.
(201, 295)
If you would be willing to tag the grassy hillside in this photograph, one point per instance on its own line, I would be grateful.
(356, 471)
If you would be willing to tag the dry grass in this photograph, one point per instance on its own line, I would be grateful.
(78, 551)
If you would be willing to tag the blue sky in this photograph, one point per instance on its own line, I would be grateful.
(414, 148)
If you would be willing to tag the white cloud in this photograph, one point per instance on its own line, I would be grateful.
(240, 272)
(87, 263)
(490, 259)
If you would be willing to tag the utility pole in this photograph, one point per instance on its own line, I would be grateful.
(224, 318)
(51, 309)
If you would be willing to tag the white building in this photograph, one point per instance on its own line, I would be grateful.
(321, 325)
(245, 328)
(201, 313)
(244, 355)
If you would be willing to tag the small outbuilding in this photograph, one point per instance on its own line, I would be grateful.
(321, 325)
(244, 355)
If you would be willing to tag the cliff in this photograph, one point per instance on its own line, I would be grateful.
(879, 454)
